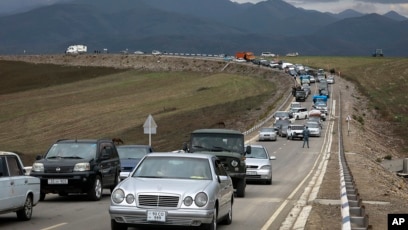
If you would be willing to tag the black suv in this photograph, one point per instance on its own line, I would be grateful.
(78, 166)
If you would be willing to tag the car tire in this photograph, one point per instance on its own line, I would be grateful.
(27, 211)
(213, 224)
(241, 184)
(118, 226)
(228, 218)
(95, 193)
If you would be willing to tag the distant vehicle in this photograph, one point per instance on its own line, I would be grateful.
(267, 54)
(130, 156)
(248, 56)
(295, 104)
(378, 53)
(300, 95)
(240, 60)
(322, 106)
(281, 126)
(19, 192)
(330, 79)
(259, 167)
(174, 189)
(295, 131)
(76, 49)
(314, 128)
(138, 52)
(282, 115)
(300, 113)
(267, 133)
(312, 79)
(156, 52)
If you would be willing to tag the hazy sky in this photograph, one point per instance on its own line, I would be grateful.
(333, 6)
(336, 6)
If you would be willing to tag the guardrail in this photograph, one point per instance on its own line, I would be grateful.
(352, 211)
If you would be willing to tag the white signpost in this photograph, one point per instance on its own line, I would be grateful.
(348, 124)
(149, 127)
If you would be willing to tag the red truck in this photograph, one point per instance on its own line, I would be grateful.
(249, 56)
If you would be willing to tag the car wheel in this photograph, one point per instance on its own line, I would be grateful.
(241, 188)
(117, 226)
(26, 212)
(117, 179)
(95, 193)
(228, 218)
(42, 196)
(213, 224)
(269, 181)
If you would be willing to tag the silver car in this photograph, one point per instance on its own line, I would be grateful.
(180, 189)
(314, 128)
(259, 167)
(267, 134)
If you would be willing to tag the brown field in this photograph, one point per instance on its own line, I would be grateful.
(42, 103)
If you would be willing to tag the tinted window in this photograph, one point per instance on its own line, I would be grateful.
(72, 150)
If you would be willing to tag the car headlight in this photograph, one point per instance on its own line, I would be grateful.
(38, 167)
(234, 163)
(130, 198)
(188, 201)
(266, 167)
(80, 167)
(201, 199)
(118, 196)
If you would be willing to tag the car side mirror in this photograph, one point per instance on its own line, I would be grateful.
(248, 149)
(185, 147)
(38, 157)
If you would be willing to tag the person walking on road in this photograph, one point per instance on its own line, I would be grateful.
(306, 134)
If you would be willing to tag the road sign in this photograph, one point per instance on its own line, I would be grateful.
(150, 125)
(348, 118)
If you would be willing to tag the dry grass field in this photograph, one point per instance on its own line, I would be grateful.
(41, 103)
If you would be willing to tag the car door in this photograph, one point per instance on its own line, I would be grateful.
(18, 182)
(6, 198)
(108, 164)
(225, 192)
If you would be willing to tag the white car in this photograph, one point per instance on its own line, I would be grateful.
(240, 60)
(156, 52)
(18, 192)
(330, 79)
(267, 54)
(300, 113)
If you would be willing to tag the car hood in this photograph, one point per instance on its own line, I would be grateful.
(256, 161)
(163, 185)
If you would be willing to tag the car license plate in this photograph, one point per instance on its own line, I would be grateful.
(251, 173)
(159, 216)
(57, 181)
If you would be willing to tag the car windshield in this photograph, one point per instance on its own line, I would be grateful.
(217, 143)
(313, 125)
(281, 114)
(321, 104)
(132, 152)
(297, 127)
(72, 150)
(267, 130)
(174, 168)
(258, 153)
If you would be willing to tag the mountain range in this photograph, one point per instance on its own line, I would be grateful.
(201, 26)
